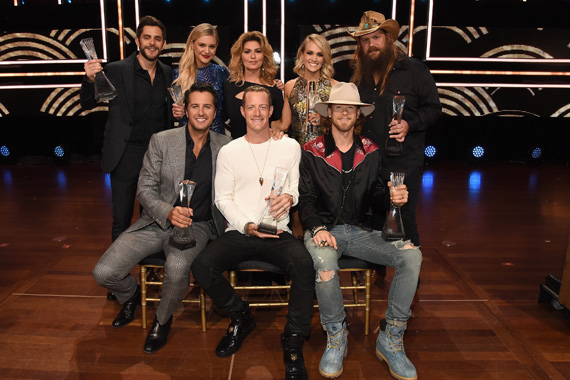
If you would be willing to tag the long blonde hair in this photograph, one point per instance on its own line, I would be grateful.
(268, 68)
(327, 69)
(187, 66)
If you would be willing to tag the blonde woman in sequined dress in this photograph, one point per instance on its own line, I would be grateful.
(313, 64)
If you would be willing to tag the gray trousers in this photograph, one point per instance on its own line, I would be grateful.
(113, 270)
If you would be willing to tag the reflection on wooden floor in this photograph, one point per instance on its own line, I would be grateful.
(504, 227)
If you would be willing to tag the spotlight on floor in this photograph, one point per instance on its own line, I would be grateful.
(534, 155)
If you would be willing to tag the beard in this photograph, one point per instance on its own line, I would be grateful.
(378, 64)
(147, 57)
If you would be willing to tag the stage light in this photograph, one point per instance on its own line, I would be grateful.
(59, 151)
(534, 155)
(5, 151)
(430, 151)
(478, 152)
(60, 154)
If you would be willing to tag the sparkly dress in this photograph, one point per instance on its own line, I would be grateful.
(298, 104)
(216, 75)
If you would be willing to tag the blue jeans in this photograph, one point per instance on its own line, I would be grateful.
(369, 246)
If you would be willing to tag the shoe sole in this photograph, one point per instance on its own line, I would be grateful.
(122, 325)
(230, 353)
(394, 375)
(334, 375)
(330, 375)
(155, 350)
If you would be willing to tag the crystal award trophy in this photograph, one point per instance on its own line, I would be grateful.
(394, 148)
(312, 99)
(176, 93)
(267, 224)
(183, 238)
(104, 89)
(393, 227)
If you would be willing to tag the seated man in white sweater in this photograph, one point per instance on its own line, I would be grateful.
(243, 184)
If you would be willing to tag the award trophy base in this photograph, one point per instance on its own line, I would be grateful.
(393, 227)
(104, 90)
(394, 148)
(393, 236)
(267, 229)
(182, 238)
(182, 243)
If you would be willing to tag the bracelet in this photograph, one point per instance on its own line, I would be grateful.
(245, 229)
(315, 230)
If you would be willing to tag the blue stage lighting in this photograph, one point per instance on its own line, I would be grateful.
(58, 151)
(474, 181)
(427, 181)
(5, 151)
(430, 151)
(536, 153)
(478, 151)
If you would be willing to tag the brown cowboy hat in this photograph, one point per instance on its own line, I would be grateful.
(345, 94)
(372, 21)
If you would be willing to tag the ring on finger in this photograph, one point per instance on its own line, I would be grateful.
(323, 243)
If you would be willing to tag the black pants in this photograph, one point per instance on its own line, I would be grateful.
(413, 182)
(124, 180)
(287, 253)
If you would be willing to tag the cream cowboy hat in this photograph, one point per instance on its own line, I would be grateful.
(344, 93)
(372, 21)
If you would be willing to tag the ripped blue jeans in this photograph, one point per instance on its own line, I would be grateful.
(370, 246)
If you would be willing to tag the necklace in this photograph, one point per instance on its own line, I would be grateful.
(264, 162)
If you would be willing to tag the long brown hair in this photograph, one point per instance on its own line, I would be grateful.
(360, 74)
(326, 124)
(268, 68)
(187, 66)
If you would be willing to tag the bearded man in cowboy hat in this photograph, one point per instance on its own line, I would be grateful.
(382, 70)
(340, 184)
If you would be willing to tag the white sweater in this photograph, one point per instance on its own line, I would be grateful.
(239, 195)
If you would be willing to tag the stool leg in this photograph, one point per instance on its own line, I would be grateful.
(143, 295)
(203, 309)
(354, 284)
(368, 277)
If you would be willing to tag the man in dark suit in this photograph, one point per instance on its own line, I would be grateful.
(141, 108)
(172, 156)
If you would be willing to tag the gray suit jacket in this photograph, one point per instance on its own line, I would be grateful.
(163, 167)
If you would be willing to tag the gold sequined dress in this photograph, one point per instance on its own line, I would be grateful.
(298, 104)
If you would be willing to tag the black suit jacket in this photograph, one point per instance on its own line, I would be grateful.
(121, 109)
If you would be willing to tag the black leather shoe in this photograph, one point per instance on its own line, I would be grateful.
(156, 338)
(127, 313)
(241, 325)
(293, 356)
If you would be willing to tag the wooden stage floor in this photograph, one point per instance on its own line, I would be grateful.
(490, 234)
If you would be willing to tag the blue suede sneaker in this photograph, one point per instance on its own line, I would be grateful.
(337, 340)
(390, 348)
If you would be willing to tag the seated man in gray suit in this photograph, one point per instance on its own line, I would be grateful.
(172, 156)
